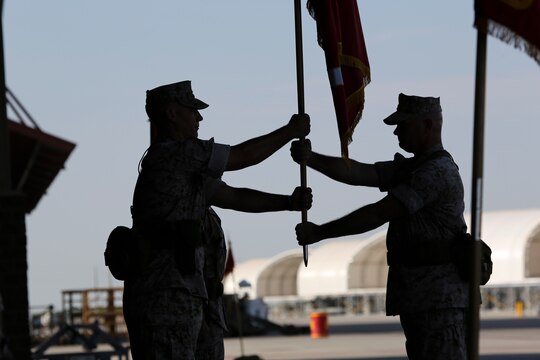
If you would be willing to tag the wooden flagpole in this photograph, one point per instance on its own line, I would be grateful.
(477, 191)
(300, 92)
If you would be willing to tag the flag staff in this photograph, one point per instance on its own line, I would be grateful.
(477, 189)
(5, 165)
(300, 95)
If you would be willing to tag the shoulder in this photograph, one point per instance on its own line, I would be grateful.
(439, 171)
(439, 160)
(185, 149)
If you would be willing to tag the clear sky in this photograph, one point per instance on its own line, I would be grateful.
(81, 68)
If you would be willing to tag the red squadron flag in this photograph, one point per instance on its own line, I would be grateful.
(516, 22)
(340, 35)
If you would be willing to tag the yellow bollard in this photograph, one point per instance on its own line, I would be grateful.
(519, 308)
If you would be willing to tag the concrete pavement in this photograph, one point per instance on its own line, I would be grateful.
(502, 337)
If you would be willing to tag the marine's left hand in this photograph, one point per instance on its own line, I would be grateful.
(299, 125)
(307, 233)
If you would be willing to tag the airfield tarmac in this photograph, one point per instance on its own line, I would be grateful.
(503, 336)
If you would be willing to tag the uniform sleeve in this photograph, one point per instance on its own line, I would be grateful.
(385, 171)
(389, 172)
(218, 159)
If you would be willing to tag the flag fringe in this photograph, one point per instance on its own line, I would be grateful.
(356, 100)
(508, 36)
(347, 138)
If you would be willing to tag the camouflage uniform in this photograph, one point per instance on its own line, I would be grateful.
(210, 342)
(163, 302)
(430, 298)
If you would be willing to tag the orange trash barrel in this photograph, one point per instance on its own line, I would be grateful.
(318, 325)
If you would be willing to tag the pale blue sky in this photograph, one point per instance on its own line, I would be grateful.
(81, 68)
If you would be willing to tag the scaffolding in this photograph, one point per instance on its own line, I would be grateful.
(101, 305)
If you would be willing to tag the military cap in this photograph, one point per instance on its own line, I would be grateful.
(180, 92)
(411, 106)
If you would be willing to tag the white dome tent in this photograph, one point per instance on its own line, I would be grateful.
(346, 267)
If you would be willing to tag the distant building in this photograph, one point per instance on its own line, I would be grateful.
(350, 275)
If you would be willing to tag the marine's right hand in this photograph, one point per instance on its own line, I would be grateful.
(301, 150)
(301, 198)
